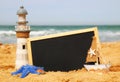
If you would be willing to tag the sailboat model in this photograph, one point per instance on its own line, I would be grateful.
(97, 65)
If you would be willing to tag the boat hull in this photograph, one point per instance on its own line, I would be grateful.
(97, 67)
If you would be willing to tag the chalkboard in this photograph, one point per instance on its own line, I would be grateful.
(62, 52)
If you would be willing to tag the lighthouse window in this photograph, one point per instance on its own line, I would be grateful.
(23, 46)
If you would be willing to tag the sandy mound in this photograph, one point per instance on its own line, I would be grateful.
(110, 53)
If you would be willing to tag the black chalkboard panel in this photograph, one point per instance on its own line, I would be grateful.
(62, 53)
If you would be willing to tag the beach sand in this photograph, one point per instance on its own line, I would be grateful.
(110, 54)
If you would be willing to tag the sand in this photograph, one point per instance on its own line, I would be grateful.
(110, 54)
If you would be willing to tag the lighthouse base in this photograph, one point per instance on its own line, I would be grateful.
(19, 64)
(21, 53)
(21, 59)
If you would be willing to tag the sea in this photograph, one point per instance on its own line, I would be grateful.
(107, 33)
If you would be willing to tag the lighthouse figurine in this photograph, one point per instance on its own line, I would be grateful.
(22, 33)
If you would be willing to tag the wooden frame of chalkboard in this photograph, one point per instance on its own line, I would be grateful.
(63, 51)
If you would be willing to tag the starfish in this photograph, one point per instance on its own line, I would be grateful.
(91, 52)
(26, 69)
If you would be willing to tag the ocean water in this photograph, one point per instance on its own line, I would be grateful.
(107, 33)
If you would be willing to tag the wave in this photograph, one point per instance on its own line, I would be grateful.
(7, 32)
(106, 36)
(46, 32)
(10, 36)
(34, 33)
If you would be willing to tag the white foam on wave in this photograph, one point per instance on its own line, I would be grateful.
(109, 36)
(45, 32)
(7, 32)
(110, 33)
(7, 37)
(10, 36)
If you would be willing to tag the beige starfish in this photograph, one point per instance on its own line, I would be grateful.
(91, 52)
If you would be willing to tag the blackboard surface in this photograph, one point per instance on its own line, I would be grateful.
(62, 53)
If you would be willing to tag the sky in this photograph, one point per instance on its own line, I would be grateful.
(62, 12)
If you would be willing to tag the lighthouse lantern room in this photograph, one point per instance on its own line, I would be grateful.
(22, 33)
